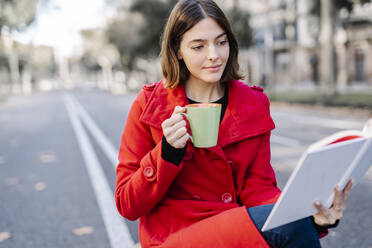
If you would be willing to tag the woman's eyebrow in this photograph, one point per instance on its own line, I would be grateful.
(203, 40)
(219, 36)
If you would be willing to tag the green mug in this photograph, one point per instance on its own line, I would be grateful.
(204, 120)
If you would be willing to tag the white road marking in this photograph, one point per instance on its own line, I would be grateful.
(117, 231)
(96, 132)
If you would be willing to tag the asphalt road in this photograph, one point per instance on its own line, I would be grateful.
(57, 175)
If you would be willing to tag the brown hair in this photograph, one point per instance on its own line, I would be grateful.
(185, 14)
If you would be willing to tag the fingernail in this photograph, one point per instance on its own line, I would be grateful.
(317, 203)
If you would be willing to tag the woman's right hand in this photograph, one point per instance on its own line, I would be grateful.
(174, 129)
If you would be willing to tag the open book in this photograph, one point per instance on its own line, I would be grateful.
(331, 161)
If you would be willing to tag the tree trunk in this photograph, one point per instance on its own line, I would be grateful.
(14, 72)
(13, 60)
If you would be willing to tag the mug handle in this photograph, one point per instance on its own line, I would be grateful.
(187, 117)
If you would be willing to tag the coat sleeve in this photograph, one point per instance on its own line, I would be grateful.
(143, 176)
(260, 185)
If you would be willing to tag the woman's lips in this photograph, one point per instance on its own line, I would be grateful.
(214, 68)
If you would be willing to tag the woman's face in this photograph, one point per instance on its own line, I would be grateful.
(205, 50)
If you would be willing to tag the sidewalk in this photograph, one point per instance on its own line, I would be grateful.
(360, 113)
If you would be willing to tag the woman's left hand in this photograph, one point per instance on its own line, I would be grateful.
(328, 216)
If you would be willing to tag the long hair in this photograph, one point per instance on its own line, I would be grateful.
(186, 14)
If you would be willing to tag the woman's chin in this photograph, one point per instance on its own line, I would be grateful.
(213, 79)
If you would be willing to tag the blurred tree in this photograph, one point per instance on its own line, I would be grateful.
(138, 32)
(39, 60)
(96, 46)
(17, 14)
(239, 20)
(154, 13)
(100, 55)
(125, 34)
(92, 43)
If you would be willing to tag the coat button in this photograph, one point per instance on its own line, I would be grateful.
(226, 197)
(231, 163)
(148, 172)
(188, 155)
(196, 197)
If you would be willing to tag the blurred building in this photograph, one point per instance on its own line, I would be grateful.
(286, 47)
(274, 25)
(354, 46)
(22, 66)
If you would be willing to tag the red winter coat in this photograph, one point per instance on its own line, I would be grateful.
(202, 202)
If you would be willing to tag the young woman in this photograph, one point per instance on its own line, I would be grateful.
(205, 197)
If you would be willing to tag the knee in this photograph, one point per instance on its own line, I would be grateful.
(302, 228)
(301, 233)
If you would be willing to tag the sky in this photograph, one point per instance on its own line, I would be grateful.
(59, 23)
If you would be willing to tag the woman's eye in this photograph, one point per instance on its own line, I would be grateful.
(197, 48)
(222, 42)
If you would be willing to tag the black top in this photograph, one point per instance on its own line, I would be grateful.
(223, 101)
(174, 155)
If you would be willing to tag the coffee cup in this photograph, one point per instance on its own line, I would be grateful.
(204, 120)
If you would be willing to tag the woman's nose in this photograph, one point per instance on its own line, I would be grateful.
(212, 53)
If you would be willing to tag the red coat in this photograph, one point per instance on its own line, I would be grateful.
(200, 203)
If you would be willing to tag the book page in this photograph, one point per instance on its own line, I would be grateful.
(315, 177)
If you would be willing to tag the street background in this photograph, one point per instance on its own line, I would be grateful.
(69, 71)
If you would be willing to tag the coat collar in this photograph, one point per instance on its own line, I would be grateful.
(245, 116)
